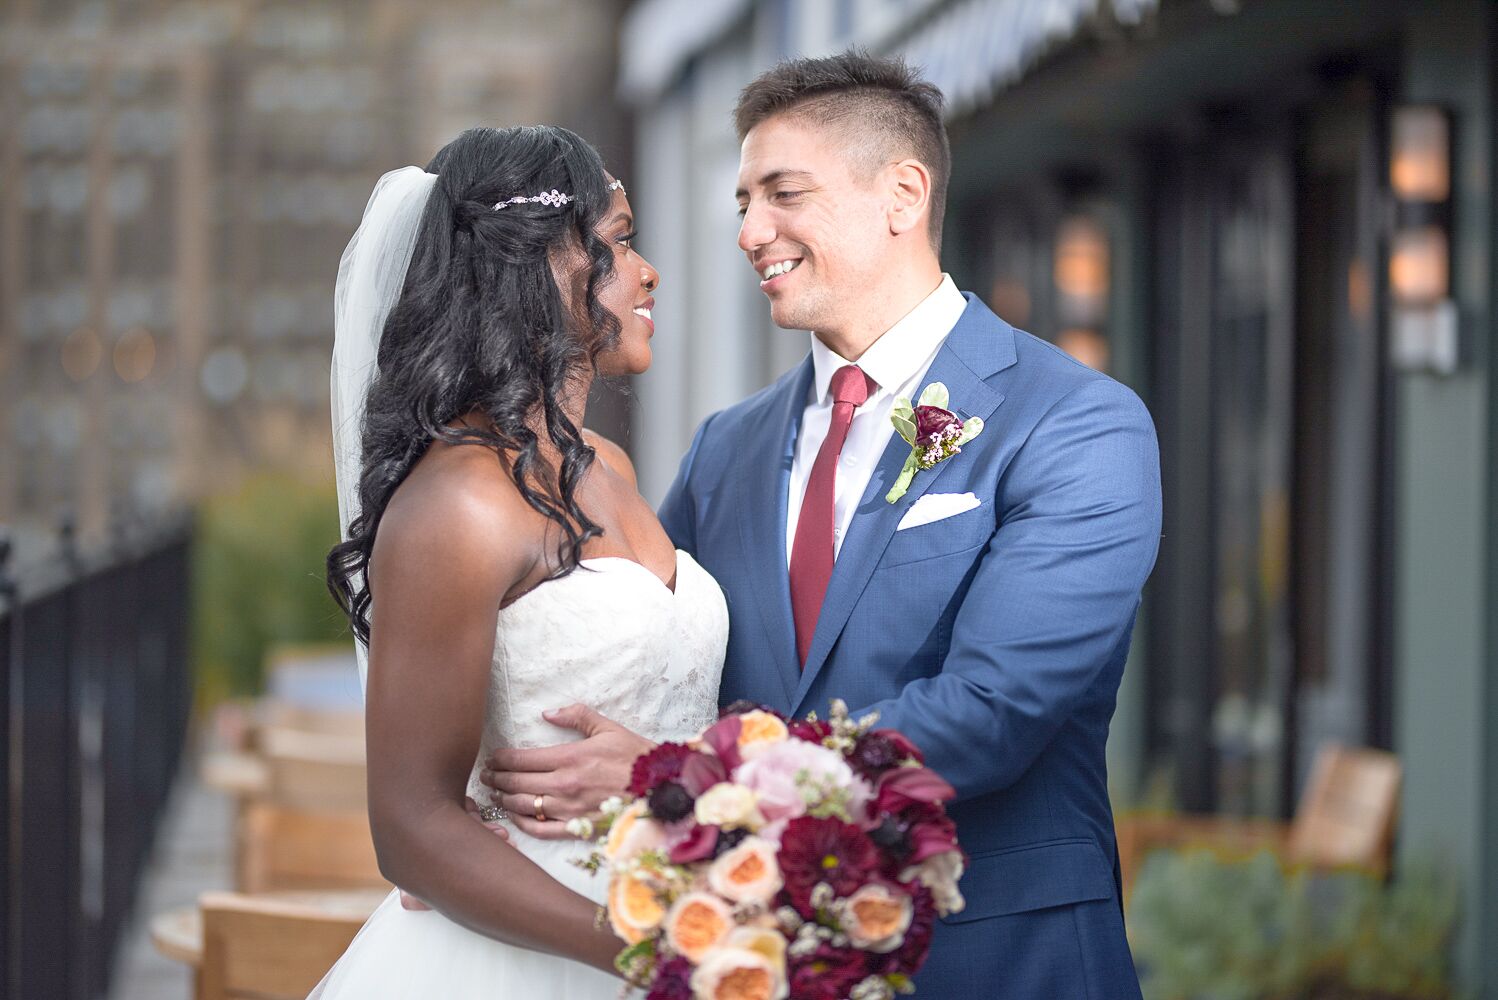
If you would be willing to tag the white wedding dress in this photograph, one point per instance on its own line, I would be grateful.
(609, 635)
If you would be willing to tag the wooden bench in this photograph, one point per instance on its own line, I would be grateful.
(1345, 819)
(267, 949)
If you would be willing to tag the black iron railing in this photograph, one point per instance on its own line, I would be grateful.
(95, 705)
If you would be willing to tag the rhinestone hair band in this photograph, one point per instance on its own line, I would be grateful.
(552, 198)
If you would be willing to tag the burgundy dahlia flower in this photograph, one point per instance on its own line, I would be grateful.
(824, 850)
(653, 769)
(673, 981)
(828, 973)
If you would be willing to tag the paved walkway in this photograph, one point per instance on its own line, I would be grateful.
(192, 854)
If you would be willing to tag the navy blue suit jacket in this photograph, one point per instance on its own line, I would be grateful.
(995, 638)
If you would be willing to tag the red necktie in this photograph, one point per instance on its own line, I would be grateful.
(812, 552)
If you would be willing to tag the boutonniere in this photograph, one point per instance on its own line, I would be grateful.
(934, 433)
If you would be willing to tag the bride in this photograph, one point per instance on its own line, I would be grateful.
(498, 560)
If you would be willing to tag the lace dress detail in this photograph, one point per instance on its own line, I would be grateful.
(609, 635)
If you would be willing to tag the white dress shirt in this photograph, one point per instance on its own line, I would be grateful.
(897, 361)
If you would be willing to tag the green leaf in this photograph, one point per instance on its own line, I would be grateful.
(912, 464)
(971, 428)
(627, 960)
(905, 425)
(935, 394)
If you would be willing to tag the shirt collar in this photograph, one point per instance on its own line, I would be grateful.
(903, 350)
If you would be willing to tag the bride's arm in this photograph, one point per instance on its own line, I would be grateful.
(447, 551)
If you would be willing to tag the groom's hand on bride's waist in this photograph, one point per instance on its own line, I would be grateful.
(568, 780)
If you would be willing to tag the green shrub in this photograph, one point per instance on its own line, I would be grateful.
(1204, 928)
(258, 580)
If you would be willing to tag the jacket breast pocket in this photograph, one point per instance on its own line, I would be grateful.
(957, 533)
(1033, 877)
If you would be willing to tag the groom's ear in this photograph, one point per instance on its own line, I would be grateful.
(910, 186)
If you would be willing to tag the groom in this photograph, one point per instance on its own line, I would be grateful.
(987, 611)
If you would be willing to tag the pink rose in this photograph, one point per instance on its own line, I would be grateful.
(781, 772)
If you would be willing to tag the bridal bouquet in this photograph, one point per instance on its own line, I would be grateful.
(770, 859)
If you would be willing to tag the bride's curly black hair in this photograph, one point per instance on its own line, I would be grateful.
(480, 326)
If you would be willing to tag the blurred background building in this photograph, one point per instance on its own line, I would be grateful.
(1275, 220)
(177, 181)
(180, 179)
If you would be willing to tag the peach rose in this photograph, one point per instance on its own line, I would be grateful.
(766, 940)
(698, 922)
(634, 908)
(633, 833)
(876, 917)
(746, 873)
(738, 974)
(759, 730)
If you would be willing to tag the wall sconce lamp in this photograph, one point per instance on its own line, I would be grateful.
(1082, 273)
(1424, 329)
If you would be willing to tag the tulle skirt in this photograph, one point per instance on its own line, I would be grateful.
(404, 954)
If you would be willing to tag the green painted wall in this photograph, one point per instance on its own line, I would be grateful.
(1442, 729)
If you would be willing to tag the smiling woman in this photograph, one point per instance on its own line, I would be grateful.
(472, 500)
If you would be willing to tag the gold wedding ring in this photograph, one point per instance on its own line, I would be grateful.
(540, 809)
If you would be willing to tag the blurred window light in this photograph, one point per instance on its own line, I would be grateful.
(68, 307)
(36, 310)
(36, 192)
(28, 422)
(224, 375)
(64, 426)
(135, 355)
(36, 80)
(153, 486)
(1081, 270)
(1420, 162)
(90, 19)
(1086, 345)
(129, 82)
(1359, 291)
(274, 314)
(1011, 300)
(69, 190)
(130, 306)
(82, 352)
(1420, 265)
(129, 192)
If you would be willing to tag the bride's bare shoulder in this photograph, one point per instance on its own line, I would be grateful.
(460, 509)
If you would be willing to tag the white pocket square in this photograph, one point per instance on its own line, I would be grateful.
(936, 507)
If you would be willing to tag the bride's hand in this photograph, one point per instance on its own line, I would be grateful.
(410, 902)
(569, 780)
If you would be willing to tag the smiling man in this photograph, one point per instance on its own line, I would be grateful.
(987, 611)
(984, 604)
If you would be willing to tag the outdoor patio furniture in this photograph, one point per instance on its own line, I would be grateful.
(278, 847)
(267, 947)
(1346, 819)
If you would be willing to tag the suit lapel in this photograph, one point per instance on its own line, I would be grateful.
(978, 346)
(764, 480)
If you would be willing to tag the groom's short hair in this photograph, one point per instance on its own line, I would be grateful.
(880, 106)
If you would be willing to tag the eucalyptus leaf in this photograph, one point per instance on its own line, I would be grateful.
(905, 425)
(902, 483)
(935, 394)
(971, 428)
